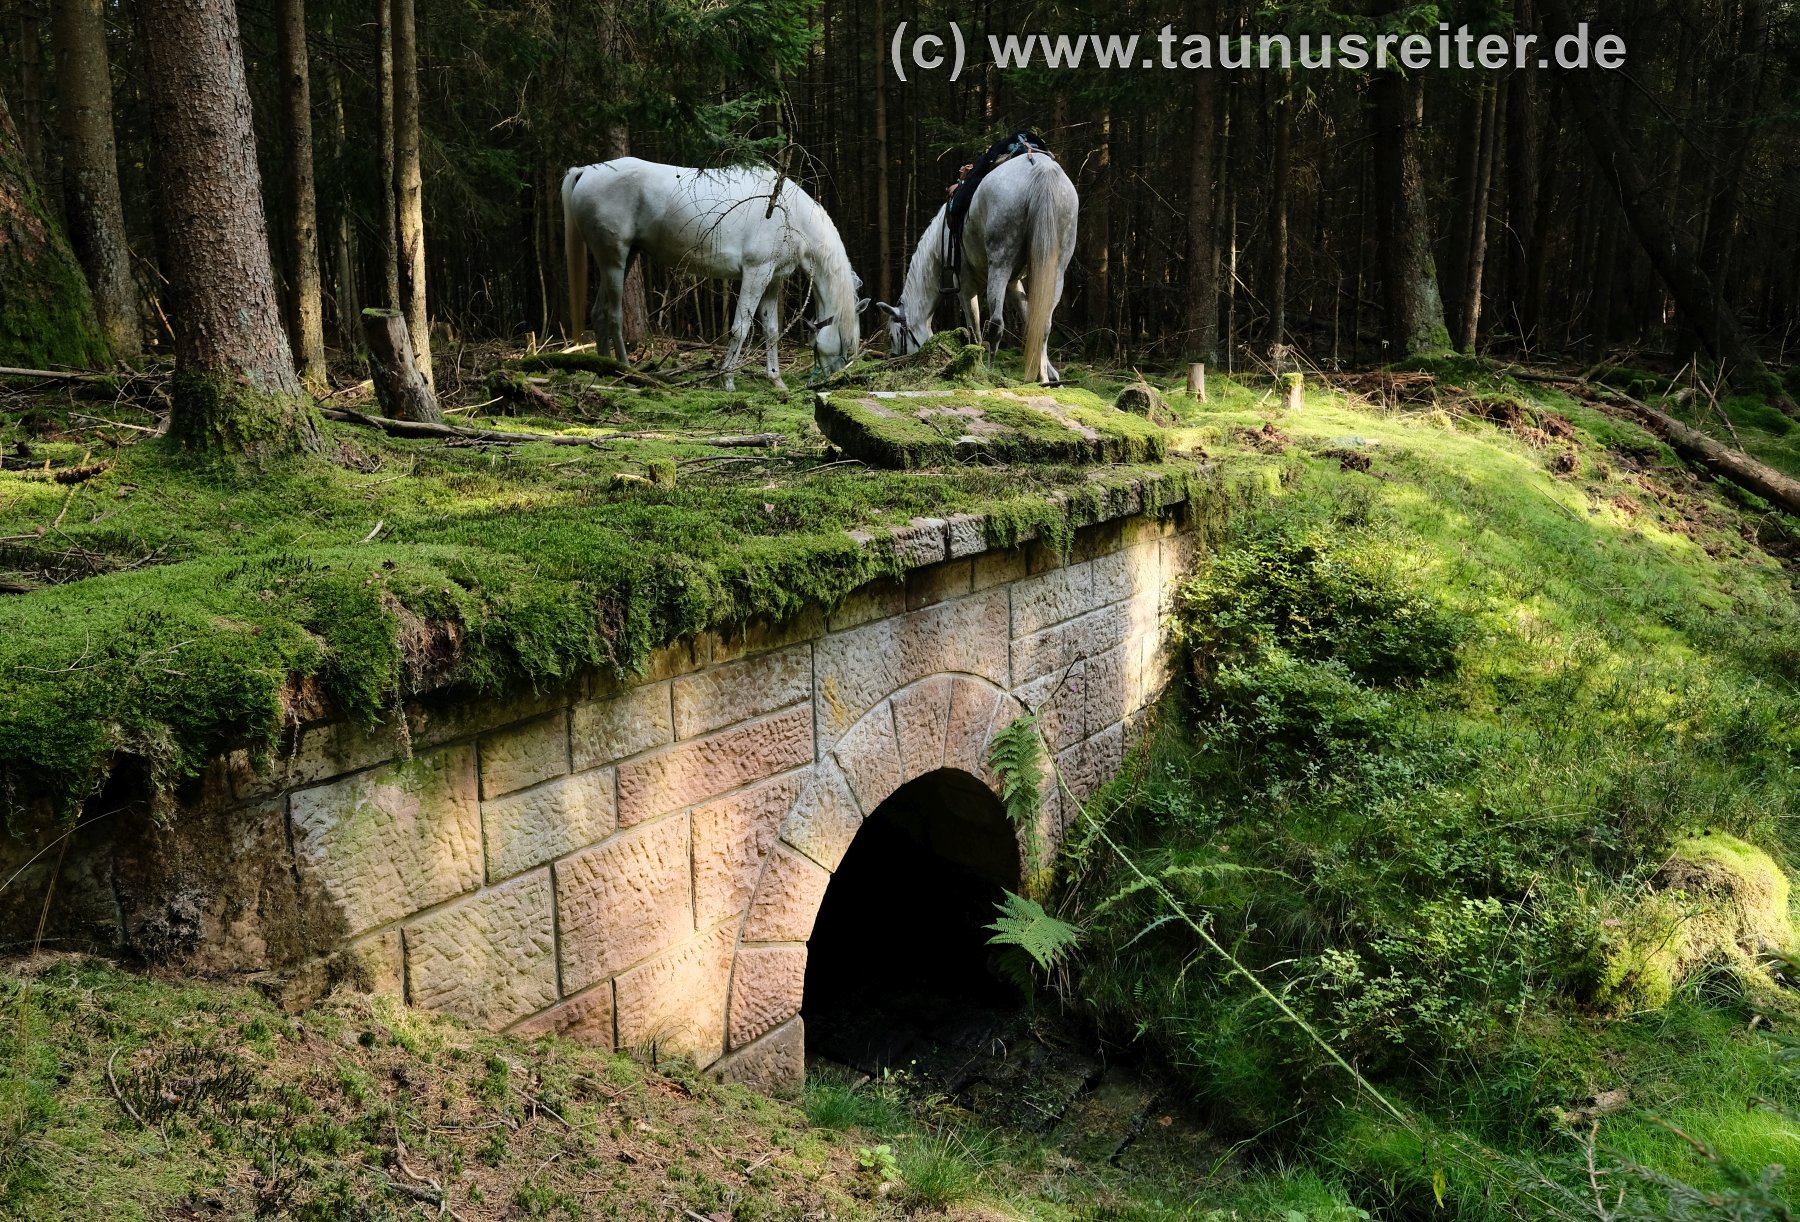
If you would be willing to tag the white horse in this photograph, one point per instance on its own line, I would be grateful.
(743, 223)
(1018, 239)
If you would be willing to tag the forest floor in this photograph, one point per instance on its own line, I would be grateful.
(1471, 656)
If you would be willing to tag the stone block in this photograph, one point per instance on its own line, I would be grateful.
(544, 822)
(1106, 689)
(1143, 529)
(941, 582)
(856, 670)
(491, 959)
(787, 900)
(1059, 700)
(1101, 539)
(702, 768)
(824, 819)
(972, 705)
(680, 658)
(1143, 570)
(1051, 598)
(439, 720)
(382, 963)
(920, 543)
(514, 759)
(774, 1065)
(965, 534)
(618, 727)
(324, 750)
(1110, 578)
(876, 600)
(623, 900)
(767, 985)
(1180, 553)
(732, 837)
(675, 1004)
(1055, 649)
(387, 843)
(921, 722)
(998, 568)
(586, 1017)
(869, 756)
(760, 636)
(739, 691)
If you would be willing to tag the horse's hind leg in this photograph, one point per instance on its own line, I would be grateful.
(993, 325)
(611, 341)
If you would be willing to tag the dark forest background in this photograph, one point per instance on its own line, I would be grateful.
(1222, 213)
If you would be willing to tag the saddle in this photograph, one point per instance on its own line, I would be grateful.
(963, 193)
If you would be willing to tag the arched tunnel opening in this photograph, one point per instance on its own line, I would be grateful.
(899, 972)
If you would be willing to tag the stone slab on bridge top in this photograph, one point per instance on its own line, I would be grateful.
(909, 429)
(639, 862)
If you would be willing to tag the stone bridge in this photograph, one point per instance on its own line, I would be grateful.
(641, 865)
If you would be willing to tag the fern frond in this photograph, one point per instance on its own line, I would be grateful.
(1025, 924)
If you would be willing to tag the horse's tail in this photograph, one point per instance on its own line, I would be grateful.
(575, 253)
(1044, 263)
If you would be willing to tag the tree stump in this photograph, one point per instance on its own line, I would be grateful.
(1196, 386)
(1294, 385)
(399, 388)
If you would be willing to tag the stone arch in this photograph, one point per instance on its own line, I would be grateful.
(941, 724)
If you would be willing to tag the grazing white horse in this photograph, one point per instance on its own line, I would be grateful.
(739, 223)
(1018, 239)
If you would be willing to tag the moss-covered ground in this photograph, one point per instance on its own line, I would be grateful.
(1465, 681)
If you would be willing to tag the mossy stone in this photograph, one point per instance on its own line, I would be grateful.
(1143, 399)
(907, 430)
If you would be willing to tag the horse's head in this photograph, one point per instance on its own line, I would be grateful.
(906, 334)
(835, 339)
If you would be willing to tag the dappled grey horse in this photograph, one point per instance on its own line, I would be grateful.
(1018, 239)
(746, 224)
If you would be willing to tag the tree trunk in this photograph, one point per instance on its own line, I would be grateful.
(91, 171)
(1743, 79)
(384, 87)
(46, 313)
(30, 126)
(1278, 275)
(409, 185)
(1670, 250)
(1522, 187)
(306, 323)
(399, 389)
(1097, 229)
(235, 388)
(345, 310)
(1201, 299)
(1478, 219)
(1415, 307)
(884, 240)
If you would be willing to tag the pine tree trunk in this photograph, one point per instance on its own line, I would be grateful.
(1097, 229)
(91, 171)
(30, 100)
(390, 215)
(1670, 250)
(1201, 298)
(345, 308)
(636, 306)
(1415, 307)
(883, 233)
(1478, 219)
(409, 185)
(235, 388)
(1522, 187)
(306, 323)
(1278, 275)
(46, 312)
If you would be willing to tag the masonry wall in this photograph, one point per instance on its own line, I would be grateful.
(640, 865)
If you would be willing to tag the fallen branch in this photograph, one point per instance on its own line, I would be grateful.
(56, 375)
(1693, 445)
(419, 428)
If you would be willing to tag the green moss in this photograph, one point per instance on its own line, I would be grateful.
(222, 414)
(46, 312)
(588, 361)
(911, 430)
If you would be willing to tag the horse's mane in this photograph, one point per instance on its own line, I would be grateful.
(920, 292)
(824, 257)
